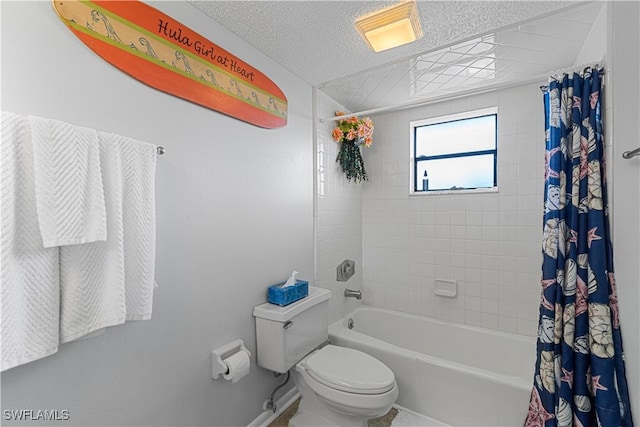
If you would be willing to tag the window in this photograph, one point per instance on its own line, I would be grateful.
(457, 152)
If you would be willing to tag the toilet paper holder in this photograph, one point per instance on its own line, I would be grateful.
(218, 367)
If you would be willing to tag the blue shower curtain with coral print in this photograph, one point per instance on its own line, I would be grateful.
(580, 374)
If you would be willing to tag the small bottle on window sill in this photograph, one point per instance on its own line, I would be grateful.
(425, 182)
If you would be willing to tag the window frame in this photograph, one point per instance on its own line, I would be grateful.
(413, 167)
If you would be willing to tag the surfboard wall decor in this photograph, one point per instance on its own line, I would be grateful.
(165, 54)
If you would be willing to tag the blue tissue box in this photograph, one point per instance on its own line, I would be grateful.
(285, 296)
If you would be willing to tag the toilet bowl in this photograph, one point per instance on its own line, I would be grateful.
(338, 386)
(342, 387)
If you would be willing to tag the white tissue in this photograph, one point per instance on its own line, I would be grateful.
(291, 280)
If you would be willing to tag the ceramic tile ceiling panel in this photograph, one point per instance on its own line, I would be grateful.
(518, 53)
(317, 41)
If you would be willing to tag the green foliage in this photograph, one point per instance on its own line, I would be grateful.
(351, 161)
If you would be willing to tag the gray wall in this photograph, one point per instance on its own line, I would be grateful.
(234, 214)
(623, 56)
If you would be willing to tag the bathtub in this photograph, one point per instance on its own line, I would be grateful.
(458, 374)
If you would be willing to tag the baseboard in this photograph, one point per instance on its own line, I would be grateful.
(282, 404)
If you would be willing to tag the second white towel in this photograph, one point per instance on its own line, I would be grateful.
(69, 192)
(139, 219)
(92, 280)
(105, 283)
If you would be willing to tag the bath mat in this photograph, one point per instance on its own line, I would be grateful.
(407, 419)
(283, 419)
(383, 421)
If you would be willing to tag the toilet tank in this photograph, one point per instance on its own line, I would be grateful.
(285, 335)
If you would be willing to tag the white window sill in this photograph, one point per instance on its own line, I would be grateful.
(443, 192)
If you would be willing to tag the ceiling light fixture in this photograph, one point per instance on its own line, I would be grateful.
(390, 27)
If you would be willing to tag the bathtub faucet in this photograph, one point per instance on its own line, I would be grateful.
(353, 293)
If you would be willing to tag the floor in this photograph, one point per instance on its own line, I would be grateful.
(395, 417)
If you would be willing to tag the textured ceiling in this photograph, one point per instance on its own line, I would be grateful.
(523, 52)
(317, 41)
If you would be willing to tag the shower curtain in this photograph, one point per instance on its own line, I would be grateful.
(580, 374)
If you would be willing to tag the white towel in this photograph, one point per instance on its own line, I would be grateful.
(92, 282)
(69, 190)
(139, 219)
(29, 280)
(105, 283)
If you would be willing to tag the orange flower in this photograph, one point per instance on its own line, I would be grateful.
(337, 134)
(351, 128)
(368, 123)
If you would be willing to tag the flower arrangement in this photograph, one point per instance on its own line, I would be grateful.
(351, 133)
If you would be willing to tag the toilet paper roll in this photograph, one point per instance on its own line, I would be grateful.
(238, 365)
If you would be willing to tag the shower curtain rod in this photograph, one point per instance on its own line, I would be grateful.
(427, 101)
(574, 69)
(478, 91)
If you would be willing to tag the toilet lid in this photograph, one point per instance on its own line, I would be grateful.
(350, 370)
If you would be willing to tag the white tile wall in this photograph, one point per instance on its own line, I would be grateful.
(338, 217)
(488, 242)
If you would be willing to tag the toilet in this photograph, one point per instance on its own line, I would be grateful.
(338, 386)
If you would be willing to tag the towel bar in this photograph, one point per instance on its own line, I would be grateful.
(632, 153)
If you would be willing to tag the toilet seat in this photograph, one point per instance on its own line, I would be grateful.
(349, 370)
(344, 385)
